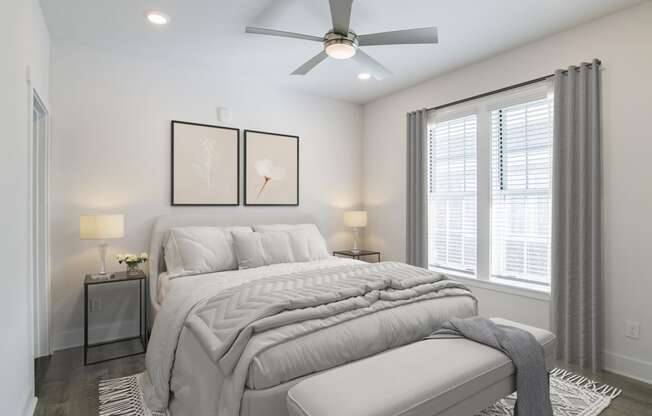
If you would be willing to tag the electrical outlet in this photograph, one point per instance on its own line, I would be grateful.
(632, 329)
(96, 305)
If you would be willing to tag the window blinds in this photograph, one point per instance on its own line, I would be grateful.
(521, 161)
(452, 194)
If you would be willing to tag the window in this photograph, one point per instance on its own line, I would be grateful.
(521, 138)
(490, 178)
(452, 194)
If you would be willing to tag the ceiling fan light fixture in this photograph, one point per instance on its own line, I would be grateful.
(340, 50)
(339, 46)
(342, 43)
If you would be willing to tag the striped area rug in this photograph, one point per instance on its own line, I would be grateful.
(570, 394)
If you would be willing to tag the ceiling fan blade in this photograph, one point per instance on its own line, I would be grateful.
(370, 65)
(400, 37)
(341, 15)
(313, 62)
(281, 33)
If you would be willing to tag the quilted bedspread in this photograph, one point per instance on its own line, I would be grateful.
(229, 323)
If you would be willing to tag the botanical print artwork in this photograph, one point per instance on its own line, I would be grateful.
(207, 161)
(271, 169)
(268, 172)
(205, 164)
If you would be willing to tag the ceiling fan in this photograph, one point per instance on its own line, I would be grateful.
(343, 43)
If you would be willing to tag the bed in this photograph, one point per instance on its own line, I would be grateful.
(193, 370)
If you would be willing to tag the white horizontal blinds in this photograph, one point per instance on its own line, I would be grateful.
(521, 139)
(452, 194)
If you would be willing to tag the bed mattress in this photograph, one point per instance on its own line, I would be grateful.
(282, 356)
(197, 380)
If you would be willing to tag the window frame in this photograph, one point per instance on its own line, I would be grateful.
(443, 117)
(482, 108)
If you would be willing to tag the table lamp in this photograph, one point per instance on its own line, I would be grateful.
(355, 220)
(102, 228)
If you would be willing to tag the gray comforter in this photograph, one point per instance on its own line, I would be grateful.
(236, 324)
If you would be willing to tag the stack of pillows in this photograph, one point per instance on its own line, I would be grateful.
(196, 250)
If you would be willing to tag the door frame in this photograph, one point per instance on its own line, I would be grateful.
(39, 264)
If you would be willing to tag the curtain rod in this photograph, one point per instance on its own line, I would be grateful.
(511, 87)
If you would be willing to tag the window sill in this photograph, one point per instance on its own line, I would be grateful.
(513, 288)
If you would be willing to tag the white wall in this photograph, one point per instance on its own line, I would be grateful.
(112, 155)
(24, 41)
(622, 42)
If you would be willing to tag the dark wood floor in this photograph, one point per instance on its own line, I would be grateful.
(66, 388)
(635, 400)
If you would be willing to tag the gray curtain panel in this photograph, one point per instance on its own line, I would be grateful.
(417, 193)
(576, 308)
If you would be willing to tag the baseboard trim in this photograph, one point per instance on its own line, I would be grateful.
(30, 406)
(98, 333)
(627, 366)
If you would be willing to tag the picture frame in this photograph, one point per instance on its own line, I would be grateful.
(271, 169)
(205, 165)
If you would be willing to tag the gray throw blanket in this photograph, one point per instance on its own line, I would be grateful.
(532, 382)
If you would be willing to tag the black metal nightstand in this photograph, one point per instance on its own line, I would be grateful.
(141, 278)
(357, 254)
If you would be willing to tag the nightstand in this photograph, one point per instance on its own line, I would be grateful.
(356, 254)
(119, 277)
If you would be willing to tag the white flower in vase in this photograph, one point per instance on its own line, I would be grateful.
(132, 261)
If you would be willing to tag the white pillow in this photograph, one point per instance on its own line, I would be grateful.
(316, 243)
(262, 249)
(195, 250)
(299, 244)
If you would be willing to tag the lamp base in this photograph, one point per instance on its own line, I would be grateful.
(355, 250)
(101, 250)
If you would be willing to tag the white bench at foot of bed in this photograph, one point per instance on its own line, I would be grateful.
(439, 377)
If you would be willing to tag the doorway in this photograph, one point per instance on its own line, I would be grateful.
(40, 247)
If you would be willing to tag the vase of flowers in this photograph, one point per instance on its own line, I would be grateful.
(132, 261)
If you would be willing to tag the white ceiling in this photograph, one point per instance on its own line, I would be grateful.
(211, 32)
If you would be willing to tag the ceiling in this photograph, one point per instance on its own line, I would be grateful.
(211, 32)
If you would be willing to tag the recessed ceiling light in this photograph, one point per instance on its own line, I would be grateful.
(158, 18)
(364, 76)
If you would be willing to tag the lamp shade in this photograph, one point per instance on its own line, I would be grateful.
(101, 227)
(355, 218)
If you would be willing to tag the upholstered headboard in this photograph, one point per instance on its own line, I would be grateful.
(164, 223)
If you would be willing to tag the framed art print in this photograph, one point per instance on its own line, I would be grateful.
(205, 164)
(271, 169)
